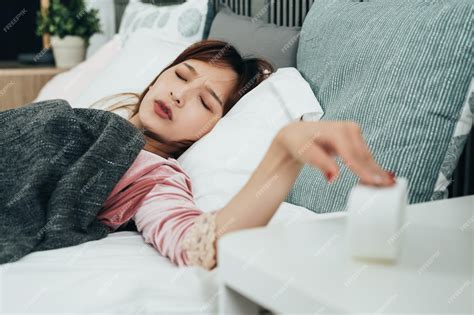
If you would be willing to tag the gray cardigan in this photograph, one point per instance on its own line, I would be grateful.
(57, 166)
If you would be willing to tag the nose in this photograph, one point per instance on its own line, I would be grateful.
(176, 100)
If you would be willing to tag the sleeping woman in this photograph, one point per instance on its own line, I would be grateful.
(182, 104)
(77, 196)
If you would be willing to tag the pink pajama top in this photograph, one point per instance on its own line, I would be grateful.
(156, 193)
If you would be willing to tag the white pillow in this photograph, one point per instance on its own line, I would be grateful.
(141, 59)
(184, 22)
(71, 84)
(221, 162)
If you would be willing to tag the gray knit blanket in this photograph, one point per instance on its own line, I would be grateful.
(57, 166)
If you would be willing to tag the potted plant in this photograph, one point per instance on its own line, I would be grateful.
(70, 29)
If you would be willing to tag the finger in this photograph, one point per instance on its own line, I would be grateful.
(344, 146)
(319, 158)
(362, 151)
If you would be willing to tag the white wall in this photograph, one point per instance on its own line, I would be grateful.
(107, 20)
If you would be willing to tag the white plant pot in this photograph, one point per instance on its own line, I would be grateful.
(68, 51)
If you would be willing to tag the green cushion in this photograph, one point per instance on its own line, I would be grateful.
(402, 71)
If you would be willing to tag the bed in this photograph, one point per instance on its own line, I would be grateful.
(122, 274)
(117, 274)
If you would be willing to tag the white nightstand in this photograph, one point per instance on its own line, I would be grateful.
(303, 267)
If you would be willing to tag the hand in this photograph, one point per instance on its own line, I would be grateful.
(316, 142)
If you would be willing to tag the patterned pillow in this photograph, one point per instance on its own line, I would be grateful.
(403, 71)
(188, 22)
(455, 148)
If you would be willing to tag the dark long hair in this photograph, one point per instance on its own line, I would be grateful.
(250, 71)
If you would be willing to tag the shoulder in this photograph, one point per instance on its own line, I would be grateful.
(179, 175)
(169, 170)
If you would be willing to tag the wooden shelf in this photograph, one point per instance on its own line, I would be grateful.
(20, 84)
(12, 64)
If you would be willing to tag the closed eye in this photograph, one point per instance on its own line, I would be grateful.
(204, 104)
(180, 77)
(202, 101)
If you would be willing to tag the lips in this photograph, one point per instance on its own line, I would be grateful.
(163, 110)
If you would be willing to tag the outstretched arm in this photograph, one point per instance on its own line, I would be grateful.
(298, 143)
(173, 224)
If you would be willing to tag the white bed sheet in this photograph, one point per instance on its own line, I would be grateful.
(117, 274)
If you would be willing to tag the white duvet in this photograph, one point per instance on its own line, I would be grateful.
(117, 274)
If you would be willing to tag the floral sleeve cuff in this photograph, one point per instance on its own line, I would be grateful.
(199, 241)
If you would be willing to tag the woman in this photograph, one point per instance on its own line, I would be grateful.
(182, 104)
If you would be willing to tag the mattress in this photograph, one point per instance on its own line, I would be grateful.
(117, 274)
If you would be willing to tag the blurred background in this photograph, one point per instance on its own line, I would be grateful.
(22, 39)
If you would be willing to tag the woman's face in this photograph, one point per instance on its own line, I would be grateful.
(195, 92)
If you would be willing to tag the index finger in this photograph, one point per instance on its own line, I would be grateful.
(365, 156)
(358, 157)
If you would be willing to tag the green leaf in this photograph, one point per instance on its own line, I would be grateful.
(72, 20)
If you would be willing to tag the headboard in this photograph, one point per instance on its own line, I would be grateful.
(292, 13)
(280, 12)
